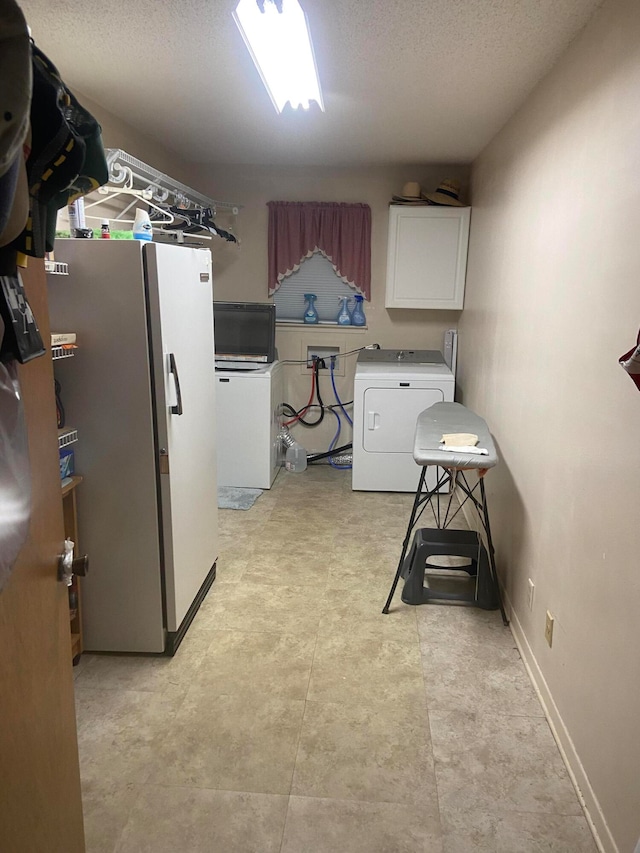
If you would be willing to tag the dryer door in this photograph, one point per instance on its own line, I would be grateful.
(390, 415)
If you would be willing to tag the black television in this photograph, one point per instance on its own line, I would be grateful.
(244, 332)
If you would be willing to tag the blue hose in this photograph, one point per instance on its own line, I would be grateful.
(335, 391)
(334, 441)
(344, 412)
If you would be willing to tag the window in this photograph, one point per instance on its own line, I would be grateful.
(318, 247)
(316, 275)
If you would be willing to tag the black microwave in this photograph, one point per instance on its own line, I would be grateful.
(245, 331)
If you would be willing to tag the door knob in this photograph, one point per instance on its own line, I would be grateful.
(68, 567)
(80, 566)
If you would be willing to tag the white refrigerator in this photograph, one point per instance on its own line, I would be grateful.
(140, 391)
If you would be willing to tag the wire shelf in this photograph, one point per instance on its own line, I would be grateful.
(62, 352)
(67, 436)
(125, 169)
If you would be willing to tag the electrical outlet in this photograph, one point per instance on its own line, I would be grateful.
(530, 590)
(548, 629)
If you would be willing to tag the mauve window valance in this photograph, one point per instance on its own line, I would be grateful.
(341, 232)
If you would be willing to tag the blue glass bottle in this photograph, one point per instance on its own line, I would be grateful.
(344, 318)
(310, 312)
(357, 315)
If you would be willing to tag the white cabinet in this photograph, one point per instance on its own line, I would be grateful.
(248, 422)
(427, 256)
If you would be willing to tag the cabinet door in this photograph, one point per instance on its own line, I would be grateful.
(427, 257)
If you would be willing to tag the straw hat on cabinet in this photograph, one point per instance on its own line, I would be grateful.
(411, 194)
(448, 193)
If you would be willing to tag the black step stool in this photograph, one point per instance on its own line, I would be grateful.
(431, 542)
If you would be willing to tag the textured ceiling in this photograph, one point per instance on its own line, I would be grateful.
(404, 81)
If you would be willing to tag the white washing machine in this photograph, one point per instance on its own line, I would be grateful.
(391, 388)
(248, 422)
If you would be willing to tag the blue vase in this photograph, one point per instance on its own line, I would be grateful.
(344, 318)
(357, 315)
(310, 312)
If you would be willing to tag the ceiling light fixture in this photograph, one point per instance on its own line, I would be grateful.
(277, 36)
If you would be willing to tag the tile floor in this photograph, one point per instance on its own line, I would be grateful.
(295, 718)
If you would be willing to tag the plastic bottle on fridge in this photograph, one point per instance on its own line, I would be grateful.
(142, 225)
(76, 216)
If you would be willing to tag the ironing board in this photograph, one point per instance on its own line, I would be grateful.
(456, 468)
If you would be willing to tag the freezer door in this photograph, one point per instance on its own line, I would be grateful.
(180, 297)
(390, 416)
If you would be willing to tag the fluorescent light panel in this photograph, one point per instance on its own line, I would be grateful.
(280, 45)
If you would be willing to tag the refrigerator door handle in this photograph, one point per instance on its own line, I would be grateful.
(175, 410)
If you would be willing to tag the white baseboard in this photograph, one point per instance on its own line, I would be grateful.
(586, 795)
(593, 812)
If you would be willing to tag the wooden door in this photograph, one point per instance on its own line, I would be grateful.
(40, 800)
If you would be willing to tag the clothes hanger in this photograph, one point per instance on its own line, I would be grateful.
(139, 195)
(208, 221)
(195, 221)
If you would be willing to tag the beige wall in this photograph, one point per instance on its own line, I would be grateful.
(118, 134)
(241, 272)
(553, 299)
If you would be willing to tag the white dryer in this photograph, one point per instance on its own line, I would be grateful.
(391, 388)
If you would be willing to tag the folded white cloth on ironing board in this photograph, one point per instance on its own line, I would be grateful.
(479, 451)
(462, 442)
(459, 439)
